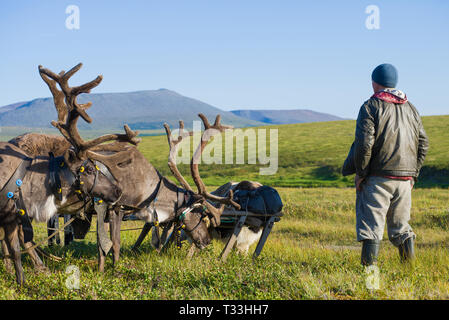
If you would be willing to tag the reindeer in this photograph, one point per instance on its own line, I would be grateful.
(193, 202)
(249, 234)
(144, 189)
(27, 192)
(34, 143)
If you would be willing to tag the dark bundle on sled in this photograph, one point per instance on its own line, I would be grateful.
(263, 200)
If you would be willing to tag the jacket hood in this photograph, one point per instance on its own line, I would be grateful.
(391, 95)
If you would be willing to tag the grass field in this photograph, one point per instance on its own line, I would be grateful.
(311, 155)
(311, 254)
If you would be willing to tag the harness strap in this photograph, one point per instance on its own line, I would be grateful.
(181, 198)
(146, 203)
(67, 175)
(25, 220)
(9, 192)
(104, 170)
(153, 197)
(93, 184)
(14, 182)
(155, 237)
(54, 179)
(58, 167)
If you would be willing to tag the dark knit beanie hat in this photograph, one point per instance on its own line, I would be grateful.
(386, 75)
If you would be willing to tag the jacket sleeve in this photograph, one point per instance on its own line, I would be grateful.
(364, 140)
(348, 165)
(423, 146)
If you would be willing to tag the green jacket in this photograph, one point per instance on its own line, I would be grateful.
(389, 140)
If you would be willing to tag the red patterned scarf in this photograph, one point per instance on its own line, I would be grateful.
(391, 95)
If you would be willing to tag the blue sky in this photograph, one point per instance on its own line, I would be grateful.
(232, 54)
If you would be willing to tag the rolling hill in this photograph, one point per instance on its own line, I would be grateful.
(310, 155)
(140, 110)
(285, 116)
(147, 110)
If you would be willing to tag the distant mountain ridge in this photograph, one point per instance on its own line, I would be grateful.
(147, 109)
(285, 116)
(13, 106)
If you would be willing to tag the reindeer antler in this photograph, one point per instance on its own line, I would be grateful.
(173, 145)
(58, 96)
(209, 131)
(69, 110)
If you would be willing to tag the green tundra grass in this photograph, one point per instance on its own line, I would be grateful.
(310, 254)
(311, 155)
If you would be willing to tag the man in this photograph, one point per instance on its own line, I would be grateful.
(387, 154)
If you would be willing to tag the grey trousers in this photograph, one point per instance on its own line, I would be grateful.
(384, 200)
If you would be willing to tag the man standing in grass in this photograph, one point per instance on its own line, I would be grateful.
(387, 154)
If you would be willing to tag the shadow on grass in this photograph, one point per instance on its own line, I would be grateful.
(435, 220)
(327, 172)
(433, 177)
(88, 250)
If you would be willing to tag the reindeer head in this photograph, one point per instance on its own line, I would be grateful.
(89, 180)
(82, 156)
(202, 209)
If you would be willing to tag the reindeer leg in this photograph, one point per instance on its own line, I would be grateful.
(13, 244)
(165, 231)
(52, 224)
(155, 237)
(35, 259)
(68, 231)
(146, 228)
(6, 257)
(101, 255)
(104, 244)
(169, 241)
(192, 251)
(115, 219)
(38, 264)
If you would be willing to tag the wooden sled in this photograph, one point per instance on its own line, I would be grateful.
(237, 219)
(241, 218)
(250, 219)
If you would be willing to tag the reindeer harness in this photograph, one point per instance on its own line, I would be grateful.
(185, 204)
(12, 191)
(58, 166)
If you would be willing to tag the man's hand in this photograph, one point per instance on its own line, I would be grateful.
(358, 182)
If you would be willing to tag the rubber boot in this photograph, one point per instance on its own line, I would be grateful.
(407, 250)
(370, 251)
